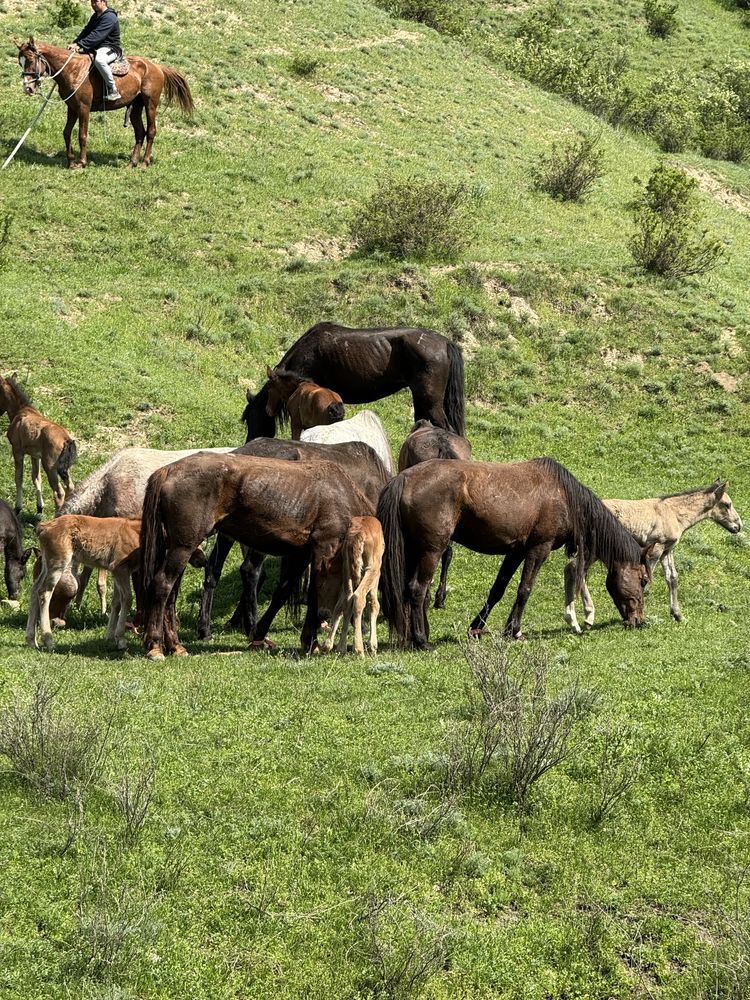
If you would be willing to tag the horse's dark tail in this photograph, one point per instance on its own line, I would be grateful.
(68, 455)
(597, 534)
(453, 403)
(153, 535)
(176, 90)
(393, 572)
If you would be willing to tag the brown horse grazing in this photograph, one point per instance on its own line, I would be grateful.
(364, 365)
(361, 559)
(300, 510)
(16, 556)
(50, 446)
(307, 404)
(81, 88)
(523, 510)
(111, 543)
(358, 460)
(425, 441)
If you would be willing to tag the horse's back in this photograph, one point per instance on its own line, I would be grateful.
(366, 427)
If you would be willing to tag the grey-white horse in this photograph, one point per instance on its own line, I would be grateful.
(660, 522)
(366, 426)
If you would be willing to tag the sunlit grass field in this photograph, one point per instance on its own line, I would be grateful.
(284, 850)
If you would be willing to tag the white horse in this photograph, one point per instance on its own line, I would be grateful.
(660, 522)
(366, 426)
(115, 489)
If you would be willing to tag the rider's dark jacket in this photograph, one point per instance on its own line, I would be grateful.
(102, 29)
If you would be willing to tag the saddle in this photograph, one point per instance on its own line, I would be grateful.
(121, 67)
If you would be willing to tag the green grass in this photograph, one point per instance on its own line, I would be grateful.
(138, 306)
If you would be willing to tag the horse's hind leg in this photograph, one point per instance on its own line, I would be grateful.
(212, 575)
(443, 585)
(504, 575)
(534, 559)
(83, 581)
(136, 119)
(18, 462)
(101, 586)
(670, 571)
(50, 468)
(150, 105)
(570, 596)
(68, 135)
(293, 567)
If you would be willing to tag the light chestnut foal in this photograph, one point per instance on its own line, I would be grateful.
(660, 522)
(50, 446)
(361, 559)
(308, 404)
(111, 543)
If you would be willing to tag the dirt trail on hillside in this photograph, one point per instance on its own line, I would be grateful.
(712, 186)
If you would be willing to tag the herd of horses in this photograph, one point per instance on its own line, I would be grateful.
(329, 505)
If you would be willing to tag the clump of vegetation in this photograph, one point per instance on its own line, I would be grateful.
(448, 16)
(304, 65)
(5, 224)
(66, 13)
(413, 219)
(134, 797)
(667, 112)
(55, 754)
(571, 169)
(661, 20)
(617, 771)
(669, 239)
(514, 721)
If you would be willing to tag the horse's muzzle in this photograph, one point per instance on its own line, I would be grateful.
(31, 88)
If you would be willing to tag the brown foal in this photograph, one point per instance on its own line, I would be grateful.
(361, 559)
(307, 404)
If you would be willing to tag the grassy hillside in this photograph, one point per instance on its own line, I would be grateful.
(286, 850)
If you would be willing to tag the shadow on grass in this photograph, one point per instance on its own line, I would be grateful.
(59, 160)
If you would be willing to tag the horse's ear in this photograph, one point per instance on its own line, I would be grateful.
(18, 45)
(249, 396)
(720, 488)
(32, 42)
(271, 373)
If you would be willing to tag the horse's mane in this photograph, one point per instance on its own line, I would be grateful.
(692, 492)
(23, 396)
(597, 534)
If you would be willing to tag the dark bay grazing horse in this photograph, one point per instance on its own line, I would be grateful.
(301, 510)
(364, 365)
(49, 445)
(522, 510)
(16, 556)
(81, 88)
(360, 463)
(305, 402)
(425, 441)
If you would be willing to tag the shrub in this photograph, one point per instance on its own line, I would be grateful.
(667, 112)
(617, 771)
(448, 16)
(415, 219)
(571, 169)
(668, 239)
(303, 65)
(660, 18)
(66, 13)
(134, 797)
(53, 753)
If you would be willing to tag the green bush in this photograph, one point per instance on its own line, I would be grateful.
(413, 219)
(571, 169)
(660, 18)
(668, 239)
(66, 13)
(303, 65)
(667, 112)
(448, 16)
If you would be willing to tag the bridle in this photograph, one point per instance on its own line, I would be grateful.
(36, 75)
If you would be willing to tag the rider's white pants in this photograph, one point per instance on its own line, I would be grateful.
(103, 58)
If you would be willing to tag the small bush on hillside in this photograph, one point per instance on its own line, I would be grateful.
(722, 132)
(448, 16)
(571, 169)
(66, 13)
(55, 754)
(668, 240)
(660, 18)
(667, 112)
(303, 65)
(415, 220)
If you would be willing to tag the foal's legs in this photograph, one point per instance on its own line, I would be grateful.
(18, 462)
(49, 463)
(36, 479)
(121, 604)
(41, 597)
(670, 571)
(508, 566)
(534, 559)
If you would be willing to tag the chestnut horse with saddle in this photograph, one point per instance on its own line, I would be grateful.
(81, 88)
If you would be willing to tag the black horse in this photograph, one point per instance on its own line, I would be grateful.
(364, 365)
(16, 556)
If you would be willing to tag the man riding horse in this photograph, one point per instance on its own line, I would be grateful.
(101, 37)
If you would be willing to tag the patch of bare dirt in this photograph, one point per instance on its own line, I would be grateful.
(730, 343)
(711, 185)
(321, 249)
(612, 357)
(727, 382)
(334, 94)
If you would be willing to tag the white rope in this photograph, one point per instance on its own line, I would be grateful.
(26, 133)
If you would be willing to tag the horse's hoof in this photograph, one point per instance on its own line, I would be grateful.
(7, 603)
(121, 643)
(477, 633)
(518, 637)
(58, 623)
(439, 604)
(180, 650)
(263, 644)
(31, 642)
(678, 617)
(49, 643)
(155, 653)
